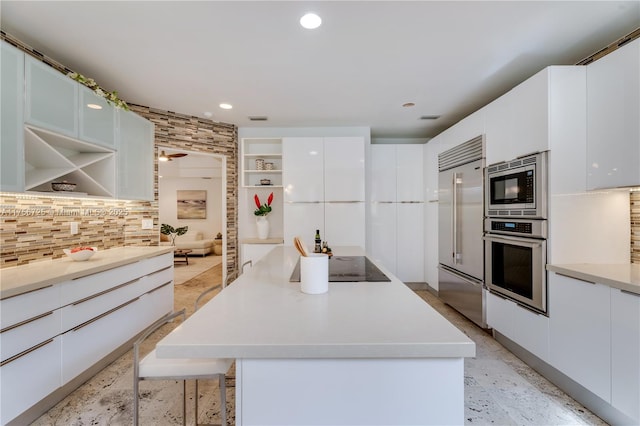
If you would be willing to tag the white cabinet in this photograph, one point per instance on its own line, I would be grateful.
(396, 211)
(528, 329)
(613, 125)
(323, 180)
(580, 332)
(303, 169)
(135, 157)
(261, 159)
(11, 119)
(55, 334)
(51, 98)
(625, 353)
(344, 169)
(97, 119)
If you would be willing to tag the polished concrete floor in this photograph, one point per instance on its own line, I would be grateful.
(499, 388)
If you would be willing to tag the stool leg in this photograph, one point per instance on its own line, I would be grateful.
(197, 397)
(184, 403)
(223, 399)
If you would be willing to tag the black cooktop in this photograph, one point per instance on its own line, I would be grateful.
(348, 269)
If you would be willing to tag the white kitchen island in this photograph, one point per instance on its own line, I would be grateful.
(368, 353)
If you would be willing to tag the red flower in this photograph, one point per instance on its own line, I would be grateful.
(257, 200)
(270, 199)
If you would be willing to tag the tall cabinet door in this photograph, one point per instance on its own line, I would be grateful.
(410, 247)
(383, 234)
(302, 220)
(135, 157)
(344, 159)
(11, 133)
(410, 179)
(303, 169)
(383, 173)
(344, 224)
(52, 98)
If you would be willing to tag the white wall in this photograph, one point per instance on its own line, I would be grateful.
(168, 209)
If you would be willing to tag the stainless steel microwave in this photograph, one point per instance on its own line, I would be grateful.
(517, 188)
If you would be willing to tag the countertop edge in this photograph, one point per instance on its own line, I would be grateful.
(581, 272)
(92, 268)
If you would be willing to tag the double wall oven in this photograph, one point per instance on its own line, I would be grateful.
(516, 230)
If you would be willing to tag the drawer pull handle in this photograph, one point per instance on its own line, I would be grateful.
(574, 278)
(159, 287)
(23, 353)
(93, 296)
(109, 312)
(27, 292)
(630, 292)
(27, 321)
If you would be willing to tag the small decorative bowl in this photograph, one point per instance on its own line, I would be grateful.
(81, 255)
(265, 181)
(63, 186)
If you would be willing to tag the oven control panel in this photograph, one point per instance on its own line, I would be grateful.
(527, 228)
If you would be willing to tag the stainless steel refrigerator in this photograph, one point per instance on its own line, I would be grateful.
(460, 229)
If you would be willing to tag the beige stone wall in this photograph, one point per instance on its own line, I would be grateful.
(635, 227)
(34, 227)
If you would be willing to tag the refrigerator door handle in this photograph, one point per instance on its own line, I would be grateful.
(454, 219)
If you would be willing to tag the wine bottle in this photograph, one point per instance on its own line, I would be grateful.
(318, 246)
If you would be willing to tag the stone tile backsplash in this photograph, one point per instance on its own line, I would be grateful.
(635, 227)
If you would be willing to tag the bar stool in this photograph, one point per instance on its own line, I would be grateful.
(153, 368)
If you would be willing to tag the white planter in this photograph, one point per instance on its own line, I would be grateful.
(263, 227)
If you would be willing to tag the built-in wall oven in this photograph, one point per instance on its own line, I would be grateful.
(517, 187)
(515, 260)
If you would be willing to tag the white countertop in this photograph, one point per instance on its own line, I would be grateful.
(22, 279)
(625, 276)
(263, 315)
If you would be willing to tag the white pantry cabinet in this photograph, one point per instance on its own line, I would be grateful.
(11, 110)
(625, 352)
(580, 332)
(323, 180)
(396, 211)
(613, 119)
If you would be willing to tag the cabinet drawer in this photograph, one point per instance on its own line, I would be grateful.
(41, 365)
(22, 336)
(86, 309)
(16, 309)
(88, 343)
(81, 288)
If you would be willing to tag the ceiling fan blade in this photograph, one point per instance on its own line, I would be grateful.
(177, 155)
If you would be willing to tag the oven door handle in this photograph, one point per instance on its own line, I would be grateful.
(527, 242)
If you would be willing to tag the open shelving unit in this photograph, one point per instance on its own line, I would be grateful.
(269, 150)
(51, 157)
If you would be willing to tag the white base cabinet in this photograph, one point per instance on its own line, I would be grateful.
(625, 353)
(580, 332)
(54, 334)
(526, 328)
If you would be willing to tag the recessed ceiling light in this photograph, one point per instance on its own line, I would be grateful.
(94, 106)
(310, 21)
(226, 106)
(408, 104)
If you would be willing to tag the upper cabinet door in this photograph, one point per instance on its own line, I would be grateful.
(303, 169)
(410, 177)
(11, 133)
(383, 173)
(135, 157)
(613, 124)
(52, 98)
(97, 119)
(344, 159)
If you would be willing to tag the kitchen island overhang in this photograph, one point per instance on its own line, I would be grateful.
(362, 353)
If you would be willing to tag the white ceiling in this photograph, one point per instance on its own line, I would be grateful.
(357, 69)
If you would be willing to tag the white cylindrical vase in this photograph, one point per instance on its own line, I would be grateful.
(314, 273)
(263, 227)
